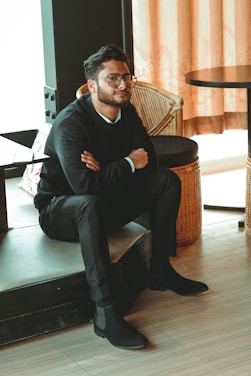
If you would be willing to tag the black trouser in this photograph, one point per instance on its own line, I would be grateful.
(88, 219)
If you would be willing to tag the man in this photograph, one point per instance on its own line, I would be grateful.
(102, 173)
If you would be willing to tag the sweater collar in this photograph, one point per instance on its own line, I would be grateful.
(118, 117)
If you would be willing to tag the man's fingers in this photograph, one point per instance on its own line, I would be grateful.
(90, 161)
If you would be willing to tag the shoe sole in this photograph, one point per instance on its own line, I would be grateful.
(135, 347)
(179, 292)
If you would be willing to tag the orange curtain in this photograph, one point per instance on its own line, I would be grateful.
(173, 37)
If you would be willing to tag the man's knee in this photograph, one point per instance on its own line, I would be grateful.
(169, 177)
(87, 203)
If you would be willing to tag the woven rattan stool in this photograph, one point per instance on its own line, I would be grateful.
(248, 197)
(181, 155)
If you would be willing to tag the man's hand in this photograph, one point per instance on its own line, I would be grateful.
(90, 161)
(139, 158)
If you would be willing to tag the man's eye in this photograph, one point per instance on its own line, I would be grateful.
(113, 78)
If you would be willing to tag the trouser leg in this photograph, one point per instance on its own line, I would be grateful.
(88, 219)
(157, 196)
(163, 192)
(163, 215)
(77, 218)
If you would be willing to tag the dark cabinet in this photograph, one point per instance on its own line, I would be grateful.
(72, 30)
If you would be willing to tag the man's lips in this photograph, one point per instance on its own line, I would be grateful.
(121, 93)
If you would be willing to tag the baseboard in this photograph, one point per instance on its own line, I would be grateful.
(30, 312)
(45, 321)
(221, 165)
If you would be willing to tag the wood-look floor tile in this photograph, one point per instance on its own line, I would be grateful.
(206, 335)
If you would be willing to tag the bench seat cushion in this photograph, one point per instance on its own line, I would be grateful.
(175, 151)
(28, 256)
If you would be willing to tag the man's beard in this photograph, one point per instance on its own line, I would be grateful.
(108, 99)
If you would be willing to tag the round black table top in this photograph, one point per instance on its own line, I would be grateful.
(237, 76)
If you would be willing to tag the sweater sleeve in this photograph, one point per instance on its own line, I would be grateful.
(81, 179)
(79, 128)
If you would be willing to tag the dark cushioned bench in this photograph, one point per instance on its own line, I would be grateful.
(42, 281)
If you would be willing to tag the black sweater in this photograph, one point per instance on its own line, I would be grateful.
(79, 127)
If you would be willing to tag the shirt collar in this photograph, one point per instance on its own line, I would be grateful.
(118, 117)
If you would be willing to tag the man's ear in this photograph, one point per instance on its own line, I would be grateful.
(92, 86)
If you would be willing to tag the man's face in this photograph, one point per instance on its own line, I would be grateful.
(114, 96)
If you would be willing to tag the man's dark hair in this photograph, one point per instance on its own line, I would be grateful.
(94, 64)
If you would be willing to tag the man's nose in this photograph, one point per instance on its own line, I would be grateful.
(122, 84)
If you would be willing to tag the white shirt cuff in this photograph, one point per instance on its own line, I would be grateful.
(130, 163)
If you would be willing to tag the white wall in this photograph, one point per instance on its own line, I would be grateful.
(21, 65)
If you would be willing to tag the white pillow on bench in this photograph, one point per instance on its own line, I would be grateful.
(31, 175)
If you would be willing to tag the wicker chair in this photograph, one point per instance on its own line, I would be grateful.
(161, 113)
(160, 110)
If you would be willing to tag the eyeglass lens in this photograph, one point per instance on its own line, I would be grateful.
(114, 80)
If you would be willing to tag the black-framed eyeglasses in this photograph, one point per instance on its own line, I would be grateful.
(114, 79)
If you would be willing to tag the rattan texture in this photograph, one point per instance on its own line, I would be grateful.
(160, 110)
(189, 221)
(248, 197)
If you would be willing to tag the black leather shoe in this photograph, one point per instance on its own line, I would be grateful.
(167, 278)
(108, 324)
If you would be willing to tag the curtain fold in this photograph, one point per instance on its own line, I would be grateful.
(173, 37)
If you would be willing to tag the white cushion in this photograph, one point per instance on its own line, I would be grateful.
(31, 175)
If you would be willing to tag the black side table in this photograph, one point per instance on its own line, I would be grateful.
(238, 76)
